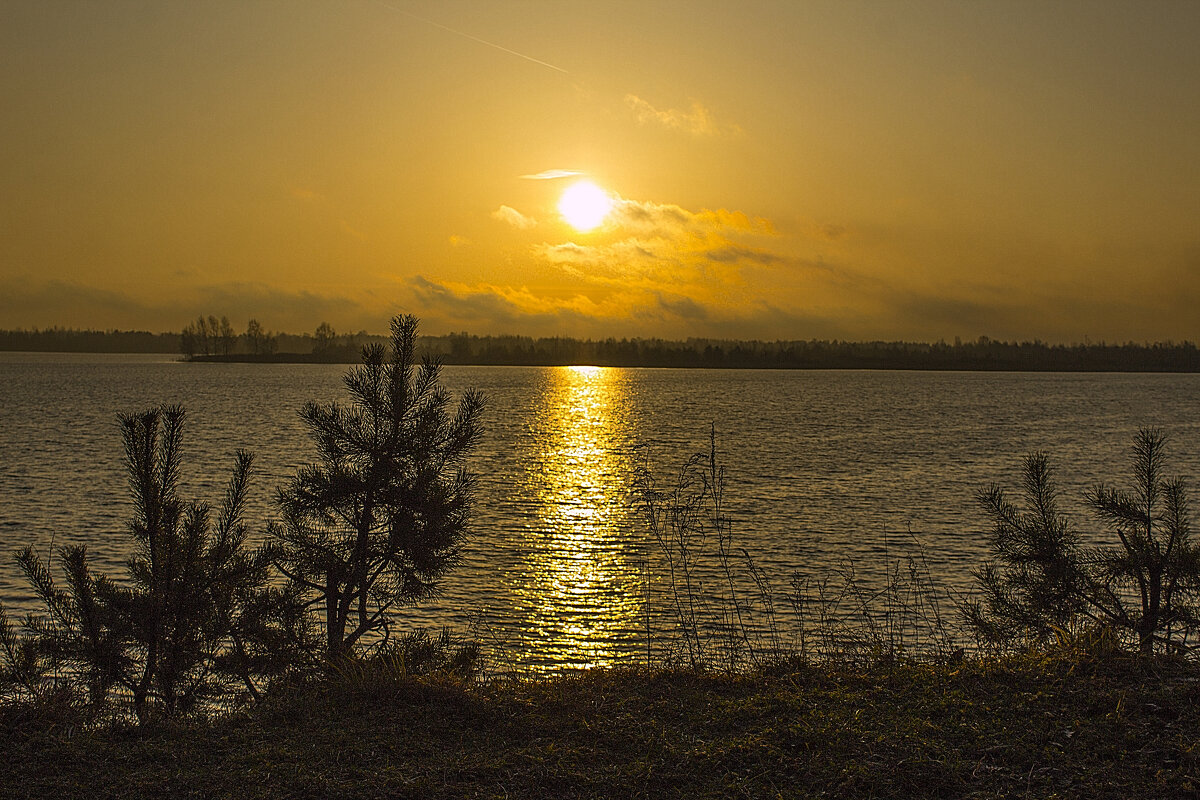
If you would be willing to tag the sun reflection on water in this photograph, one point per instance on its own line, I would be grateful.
(580, 580)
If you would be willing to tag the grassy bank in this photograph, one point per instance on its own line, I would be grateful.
(1113, 728)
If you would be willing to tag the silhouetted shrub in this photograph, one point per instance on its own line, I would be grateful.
(1045, 584)
(379, 519)
(186, 625)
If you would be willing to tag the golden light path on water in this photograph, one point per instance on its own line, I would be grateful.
(580, 582)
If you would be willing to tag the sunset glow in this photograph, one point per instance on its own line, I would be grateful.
(584, 205)
(782, 170)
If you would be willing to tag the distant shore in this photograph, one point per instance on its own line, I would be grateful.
(276, 358)
(1182, 362)
(981, 354)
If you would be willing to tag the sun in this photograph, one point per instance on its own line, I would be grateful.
(584, 205)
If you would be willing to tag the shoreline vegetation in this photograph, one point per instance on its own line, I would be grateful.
(217, 670)
(1066, 725)
(327, 347)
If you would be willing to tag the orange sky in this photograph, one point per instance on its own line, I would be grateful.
(787, 169)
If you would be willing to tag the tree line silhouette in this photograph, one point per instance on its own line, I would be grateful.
(216, 340)
(981, 354)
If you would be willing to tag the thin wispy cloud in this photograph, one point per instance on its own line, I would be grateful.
(510, 216)
(697, 120)
(668, 219)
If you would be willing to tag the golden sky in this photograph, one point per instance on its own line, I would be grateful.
(778, 170)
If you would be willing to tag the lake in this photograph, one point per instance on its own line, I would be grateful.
(826, 472)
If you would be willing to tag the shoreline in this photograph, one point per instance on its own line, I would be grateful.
(872, 366)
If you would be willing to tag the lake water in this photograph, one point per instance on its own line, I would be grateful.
(826, 471)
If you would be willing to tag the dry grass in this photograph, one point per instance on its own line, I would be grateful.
(1066, 725)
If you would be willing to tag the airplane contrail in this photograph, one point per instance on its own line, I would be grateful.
(465, 35)
(552, 174)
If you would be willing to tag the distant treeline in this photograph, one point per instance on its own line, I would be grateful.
(462, 348)
(981, 354)
(68, 340)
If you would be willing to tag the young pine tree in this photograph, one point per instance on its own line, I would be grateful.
(1144, 585)
(374, 524)
(186, 623)
(1037, 587)
(1150, 582)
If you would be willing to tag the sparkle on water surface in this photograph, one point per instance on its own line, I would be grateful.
(824, 469)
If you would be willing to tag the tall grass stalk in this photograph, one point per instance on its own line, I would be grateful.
(728, 613)
(690, 525)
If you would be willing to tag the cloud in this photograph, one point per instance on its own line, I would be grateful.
(655, 264)
(26, 302)
(698, 120)
(662, 267)
(552, 174)
(731, 254)
(488, 308)
(511, 216)
(283, 309)
(683, 307)
(828, 231)
(1002, 313)
(664, 247)
(23, 298)
(666, 219)
(521, 310)
(597, 310)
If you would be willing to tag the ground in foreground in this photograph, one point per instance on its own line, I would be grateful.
(1028, 728)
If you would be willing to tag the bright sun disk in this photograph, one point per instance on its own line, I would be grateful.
(584, 205)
